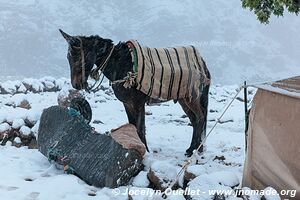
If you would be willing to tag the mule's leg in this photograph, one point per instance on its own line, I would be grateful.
(194, 112)
(197, 113)
(136, 116)
(204, 107)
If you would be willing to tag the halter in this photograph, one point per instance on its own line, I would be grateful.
(94, 73)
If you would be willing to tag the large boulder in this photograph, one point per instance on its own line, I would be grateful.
(100, 160)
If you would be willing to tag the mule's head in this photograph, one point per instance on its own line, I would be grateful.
(82, 55)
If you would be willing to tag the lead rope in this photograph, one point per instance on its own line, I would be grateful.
(94, 73)
(187, 163)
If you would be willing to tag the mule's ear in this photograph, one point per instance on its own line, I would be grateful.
(66, 36)
(73, 41)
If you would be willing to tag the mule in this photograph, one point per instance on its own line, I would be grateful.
(85, 52)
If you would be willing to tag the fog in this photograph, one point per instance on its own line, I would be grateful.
(234, 44)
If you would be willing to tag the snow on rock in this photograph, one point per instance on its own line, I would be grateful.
(24, 104)
(17, 123)
(35, 128)
(141, 180)
(33, 116)
(21, 89)
(210, 184)
(162, 174)
(193, 171)
(4, 127)
(48, 81)
(225, 178)
(8, 87)
(33, 85)
(45, 84)
(17, 140)
(24, 130)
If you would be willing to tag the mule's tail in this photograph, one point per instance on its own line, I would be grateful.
(204, 101)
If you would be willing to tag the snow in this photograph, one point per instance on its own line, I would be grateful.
(164, 170)
(25, 130)
(4, 127)
(35, 128)
(168, 136)
(17, 140)
(17, 123)
(141, 180)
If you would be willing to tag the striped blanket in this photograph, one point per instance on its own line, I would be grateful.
(168, 73)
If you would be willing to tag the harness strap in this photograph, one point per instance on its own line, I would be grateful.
(104, 64)
(94, 73)
(82, 61)
(133, 55)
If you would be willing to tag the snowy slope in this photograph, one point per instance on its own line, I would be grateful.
(26, 174)
(234, 44)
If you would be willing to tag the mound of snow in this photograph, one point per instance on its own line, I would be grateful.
(25, 130)
(17, 123)
(4, 127)
(141, 180)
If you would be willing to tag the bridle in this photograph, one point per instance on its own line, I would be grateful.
(94, 74)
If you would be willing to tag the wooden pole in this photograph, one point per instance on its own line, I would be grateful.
(246, 112)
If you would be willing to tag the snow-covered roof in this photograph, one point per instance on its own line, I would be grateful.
(289, 86)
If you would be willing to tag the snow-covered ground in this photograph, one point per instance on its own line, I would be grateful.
(27, 174)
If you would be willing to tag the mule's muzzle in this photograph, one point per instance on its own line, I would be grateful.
(79, 85)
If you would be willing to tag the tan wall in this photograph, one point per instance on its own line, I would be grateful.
(273, 154)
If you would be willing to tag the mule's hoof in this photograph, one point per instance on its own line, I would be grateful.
(189, 151)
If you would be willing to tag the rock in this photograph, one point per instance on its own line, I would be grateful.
(188, 176)
(66, 138)
(24, 104)
(29, 122)
(32, 144)
(97, 122)
(161, 175)
(225, 121)
(220, 158)
(10, 104)
(148, 113)
(17, 142)
(3, 90)
(49, 84)
(219, 197)
(7, 135)
(192, 172)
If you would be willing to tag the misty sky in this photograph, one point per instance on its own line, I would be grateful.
(234, 44)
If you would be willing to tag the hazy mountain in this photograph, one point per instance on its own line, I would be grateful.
(233, 43)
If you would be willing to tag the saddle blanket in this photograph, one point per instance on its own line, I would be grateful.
(169, 73)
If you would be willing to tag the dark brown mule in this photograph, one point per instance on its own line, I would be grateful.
(85, 52)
